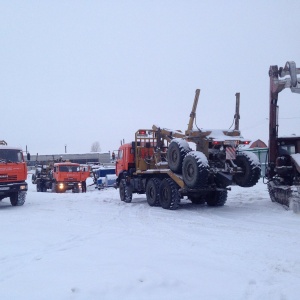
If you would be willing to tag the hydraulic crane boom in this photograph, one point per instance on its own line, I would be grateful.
(276, 86)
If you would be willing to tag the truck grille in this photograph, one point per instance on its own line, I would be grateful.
(5, 177)
(69, 179)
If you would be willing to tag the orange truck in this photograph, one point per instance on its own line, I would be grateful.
(161, 164)
(13, 173)
(61, 176)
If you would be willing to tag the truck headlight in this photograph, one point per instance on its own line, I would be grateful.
(61, 186)
(22, 187)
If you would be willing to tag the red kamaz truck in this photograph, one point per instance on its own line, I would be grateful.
(60, 177)
(13, 173)
(161, 164)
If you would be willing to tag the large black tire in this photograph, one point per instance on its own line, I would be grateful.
(33, 178)
(18, 198)
(216, 198)
(125, 191)
(177, 150)
(271, 190)
(43, 188)
(75, 190)
(38, 187)
(251, 167)
(195, 169)
(152, 191)
(53, 187)
(169, 197)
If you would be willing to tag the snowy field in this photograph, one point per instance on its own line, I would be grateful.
(93, 246)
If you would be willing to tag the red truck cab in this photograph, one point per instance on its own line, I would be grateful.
(125, 159)
(13, 173)
(66, 176)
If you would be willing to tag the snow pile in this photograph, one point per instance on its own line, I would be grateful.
(93, 246)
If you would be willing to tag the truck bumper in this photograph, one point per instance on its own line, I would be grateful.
(9, 188)
(68, 185)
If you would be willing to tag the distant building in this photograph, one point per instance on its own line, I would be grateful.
(258, 144)
(85, 158)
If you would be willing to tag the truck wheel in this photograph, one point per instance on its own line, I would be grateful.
(38, 187)
(216, 198)
(251, 169)
(125, 191)
(33, 178)
(44, 189)
(53, 187)
(271, 189)
(18, 198)
(169, 197)
(177, 150)
(195, 169)
(75, 190)
(152, 191)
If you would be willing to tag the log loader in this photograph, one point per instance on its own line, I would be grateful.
(161, 164)
(283, 167)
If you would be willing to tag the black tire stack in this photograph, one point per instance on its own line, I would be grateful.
(195, 170)
(177, 151)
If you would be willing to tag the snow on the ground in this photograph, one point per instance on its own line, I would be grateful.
(93, 246)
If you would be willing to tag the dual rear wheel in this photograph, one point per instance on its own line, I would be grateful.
(159, 192)
(162, 193)
(165, 193)
(212, 198)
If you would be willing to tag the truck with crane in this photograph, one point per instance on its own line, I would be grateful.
(283, 166)
(13, 173)
(161, 164)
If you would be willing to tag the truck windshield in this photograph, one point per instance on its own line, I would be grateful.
(68, 169)
(10, 155)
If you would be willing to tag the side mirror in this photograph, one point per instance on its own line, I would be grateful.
(28, 156)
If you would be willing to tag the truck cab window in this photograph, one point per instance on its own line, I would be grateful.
(120, 154)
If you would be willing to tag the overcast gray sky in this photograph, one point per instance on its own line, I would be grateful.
(76, 72)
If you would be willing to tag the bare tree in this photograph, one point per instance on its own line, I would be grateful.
(96, 147)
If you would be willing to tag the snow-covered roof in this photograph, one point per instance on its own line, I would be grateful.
(9, 147)
(292, 136)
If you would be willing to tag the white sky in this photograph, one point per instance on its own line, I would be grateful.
(76, 72)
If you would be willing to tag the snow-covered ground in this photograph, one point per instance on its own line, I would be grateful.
(93, 246)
